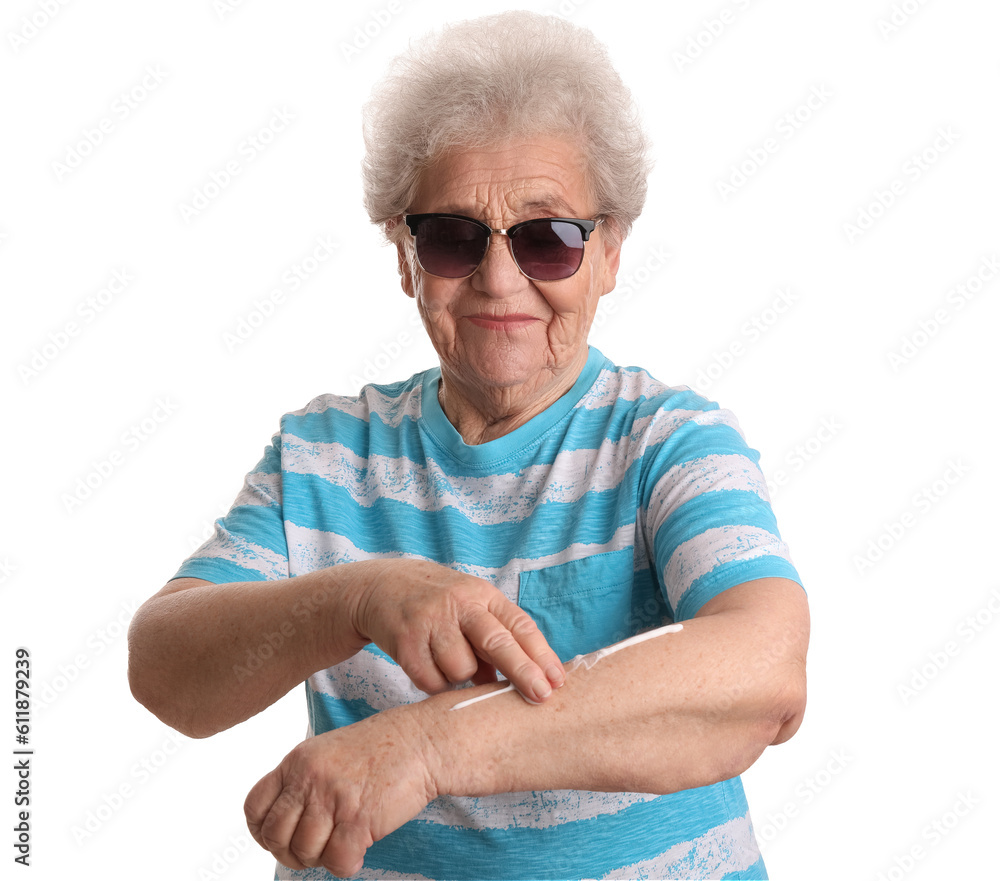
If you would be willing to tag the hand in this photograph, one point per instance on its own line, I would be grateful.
(336, 794)
(444, 627)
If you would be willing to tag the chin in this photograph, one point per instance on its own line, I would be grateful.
(503, 367)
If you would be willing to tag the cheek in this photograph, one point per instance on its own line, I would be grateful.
(434, 304)
(435, 298)
(574, 301)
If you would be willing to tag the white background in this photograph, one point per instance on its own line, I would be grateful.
(897, 452)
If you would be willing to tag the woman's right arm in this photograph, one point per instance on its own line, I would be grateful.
(204, 657)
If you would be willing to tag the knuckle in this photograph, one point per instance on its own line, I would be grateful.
(268, 838)
(498, 641)
(302, 773)
(253, 814)
(431, 686)
(522, 625)
(464, 669)
(340, 867)
(421, 677)
(409, 656)
(459, 671)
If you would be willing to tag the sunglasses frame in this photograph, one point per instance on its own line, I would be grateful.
(586, 227)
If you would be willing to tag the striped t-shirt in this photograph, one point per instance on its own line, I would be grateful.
(623, 506)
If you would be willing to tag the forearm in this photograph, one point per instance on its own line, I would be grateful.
(209, 656)
(679, 711)
(673, 712)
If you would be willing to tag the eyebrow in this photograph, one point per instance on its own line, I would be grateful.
(557, 206)
(547, 203)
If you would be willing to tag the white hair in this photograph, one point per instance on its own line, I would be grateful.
(493, 79)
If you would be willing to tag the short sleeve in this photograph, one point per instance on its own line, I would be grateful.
(708, 517)
(249, 543)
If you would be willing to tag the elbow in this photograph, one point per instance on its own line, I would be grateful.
(152, 688)
(165, 707)
(168, 711)
(779, 718)
(789, 709)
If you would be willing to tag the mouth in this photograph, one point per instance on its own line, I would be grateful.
(512, 321)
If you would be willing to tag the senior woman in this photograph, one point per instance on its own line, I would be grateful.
(524, 502)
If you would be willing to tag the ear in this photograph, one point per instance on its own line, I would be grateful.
(612, 260)
(405, 275)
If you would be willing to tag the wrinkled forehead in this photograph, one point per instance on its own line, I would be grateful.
(507, 182)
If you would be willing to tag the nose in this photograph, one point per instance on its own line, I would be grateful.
(498, 274)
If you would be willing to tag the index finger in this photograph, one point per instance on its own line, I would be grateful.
(272, 817)
(506, 636)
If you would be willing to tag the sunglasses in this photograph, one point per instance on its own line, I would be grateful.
(545, 249)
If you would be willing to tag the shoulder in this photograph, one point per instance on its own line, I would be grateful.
(654, 410)
(390, 404)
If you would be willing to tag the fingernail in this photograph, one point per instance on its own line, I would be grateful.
(556, 674)
(541, 688)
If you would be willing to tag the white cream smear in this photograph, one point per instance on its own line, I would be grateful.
(585, 661)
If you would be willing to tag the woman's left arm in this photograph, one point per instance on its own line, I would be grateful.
(675, 712)
(684, 710)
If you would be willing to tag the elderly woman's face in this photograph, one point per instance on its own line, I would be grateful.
(498, 328)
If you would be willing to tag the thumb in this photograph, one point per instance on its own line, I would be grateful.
(485, 673)
(344, 854)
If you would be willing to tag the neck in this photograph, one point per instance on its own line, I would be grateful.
(481, 414)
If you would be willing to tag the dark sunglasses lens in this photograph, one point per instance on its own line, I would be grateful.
(548, 250)
(450, 247)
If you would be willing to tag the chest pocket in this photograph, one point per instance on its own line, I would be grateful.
(584, 605)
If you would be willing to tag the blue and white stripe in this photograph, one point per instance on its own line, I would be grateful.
(623, 506)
